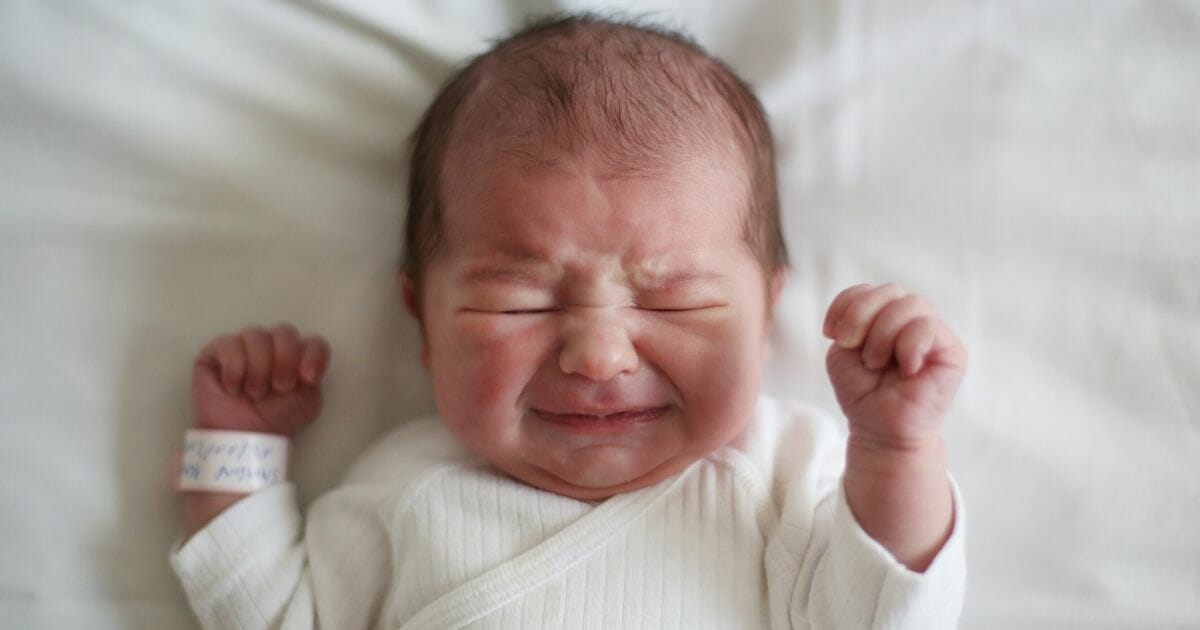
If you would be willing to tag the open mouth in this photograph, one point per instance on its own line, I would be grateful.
(615, 421)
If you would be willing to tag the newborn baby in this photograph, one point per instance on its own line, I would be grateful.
(593, 252)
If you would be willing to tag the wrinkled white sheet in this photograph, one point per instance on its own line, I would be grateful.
(171, 170)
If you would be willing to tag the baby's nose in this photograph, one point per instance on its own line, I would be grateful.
(597, 350)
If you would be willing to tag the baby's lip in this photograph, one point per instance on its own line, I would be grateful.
(570, 414)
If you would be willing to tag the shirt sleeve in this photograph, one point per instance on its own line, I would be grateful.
(255, 567)
(856, 583)
(246, 568)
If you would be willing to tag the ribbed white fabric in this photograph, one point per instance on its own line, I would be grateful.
(422, 535)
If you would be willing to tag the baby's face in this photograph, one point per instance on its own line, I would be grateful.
(592, 336)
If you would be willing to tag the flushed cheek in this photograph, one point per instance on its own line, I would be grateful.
(486, 364)
(717, 373)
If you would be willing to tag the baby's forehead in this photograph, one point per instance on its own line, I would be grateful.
(659, 224)
(515, 175)
(497, 161)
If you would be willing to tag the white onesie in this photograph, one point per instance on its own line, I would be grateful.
(424, 535)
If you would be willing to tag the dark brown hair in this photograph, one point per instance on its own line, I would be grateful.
(626, 90)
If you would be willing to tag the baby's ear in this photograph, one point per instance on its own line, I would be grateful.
(408, 292)
(778, 280)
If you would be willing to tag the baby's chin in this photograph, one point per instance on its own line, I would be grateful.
(593, 479)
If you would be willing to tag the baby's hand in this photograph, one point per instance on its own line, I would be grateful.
(260, 380)
(894, 364)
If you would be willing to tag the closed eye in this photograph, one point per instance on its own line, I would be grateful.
(678, 309)
(508, 311)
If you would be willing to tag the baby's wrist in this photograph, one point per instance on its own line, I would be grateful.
(889, 458)
(239, 462)
(218, 468)
(200, 508)
(901, 497)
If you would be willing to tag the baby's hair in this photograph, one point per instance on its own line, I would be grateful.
(626, 91)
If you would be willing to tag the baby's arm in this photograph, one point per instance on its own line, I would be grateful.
(255, 380)
(895, 367)
(257, 564)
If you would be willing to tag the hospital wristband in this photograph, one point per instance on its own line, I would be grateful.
(232, 461)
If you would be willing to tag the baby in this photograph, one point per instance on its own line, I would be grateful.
(593, 252)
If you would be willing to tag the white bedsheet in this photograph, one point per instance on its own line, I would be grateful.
(171, 170)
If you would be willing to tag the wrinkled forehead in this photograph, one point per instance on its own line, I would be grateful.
(691, 203)
(512, 174)
(503, 142)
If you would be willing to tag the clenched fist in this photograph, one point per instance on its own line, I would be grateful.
(894, 364)
(260, 380)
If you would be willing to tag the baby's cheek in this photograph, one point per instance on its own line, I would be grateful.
(716, 367)
(695, 346)
(494, 358)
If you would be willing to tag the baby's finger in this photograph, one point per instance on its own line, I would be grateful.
(838, 307)
(851, 328)
(231, 359)
(287, 357)
(881, 338)
(914, 344)
(947, 349)
(259, 358)
(314, 360)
